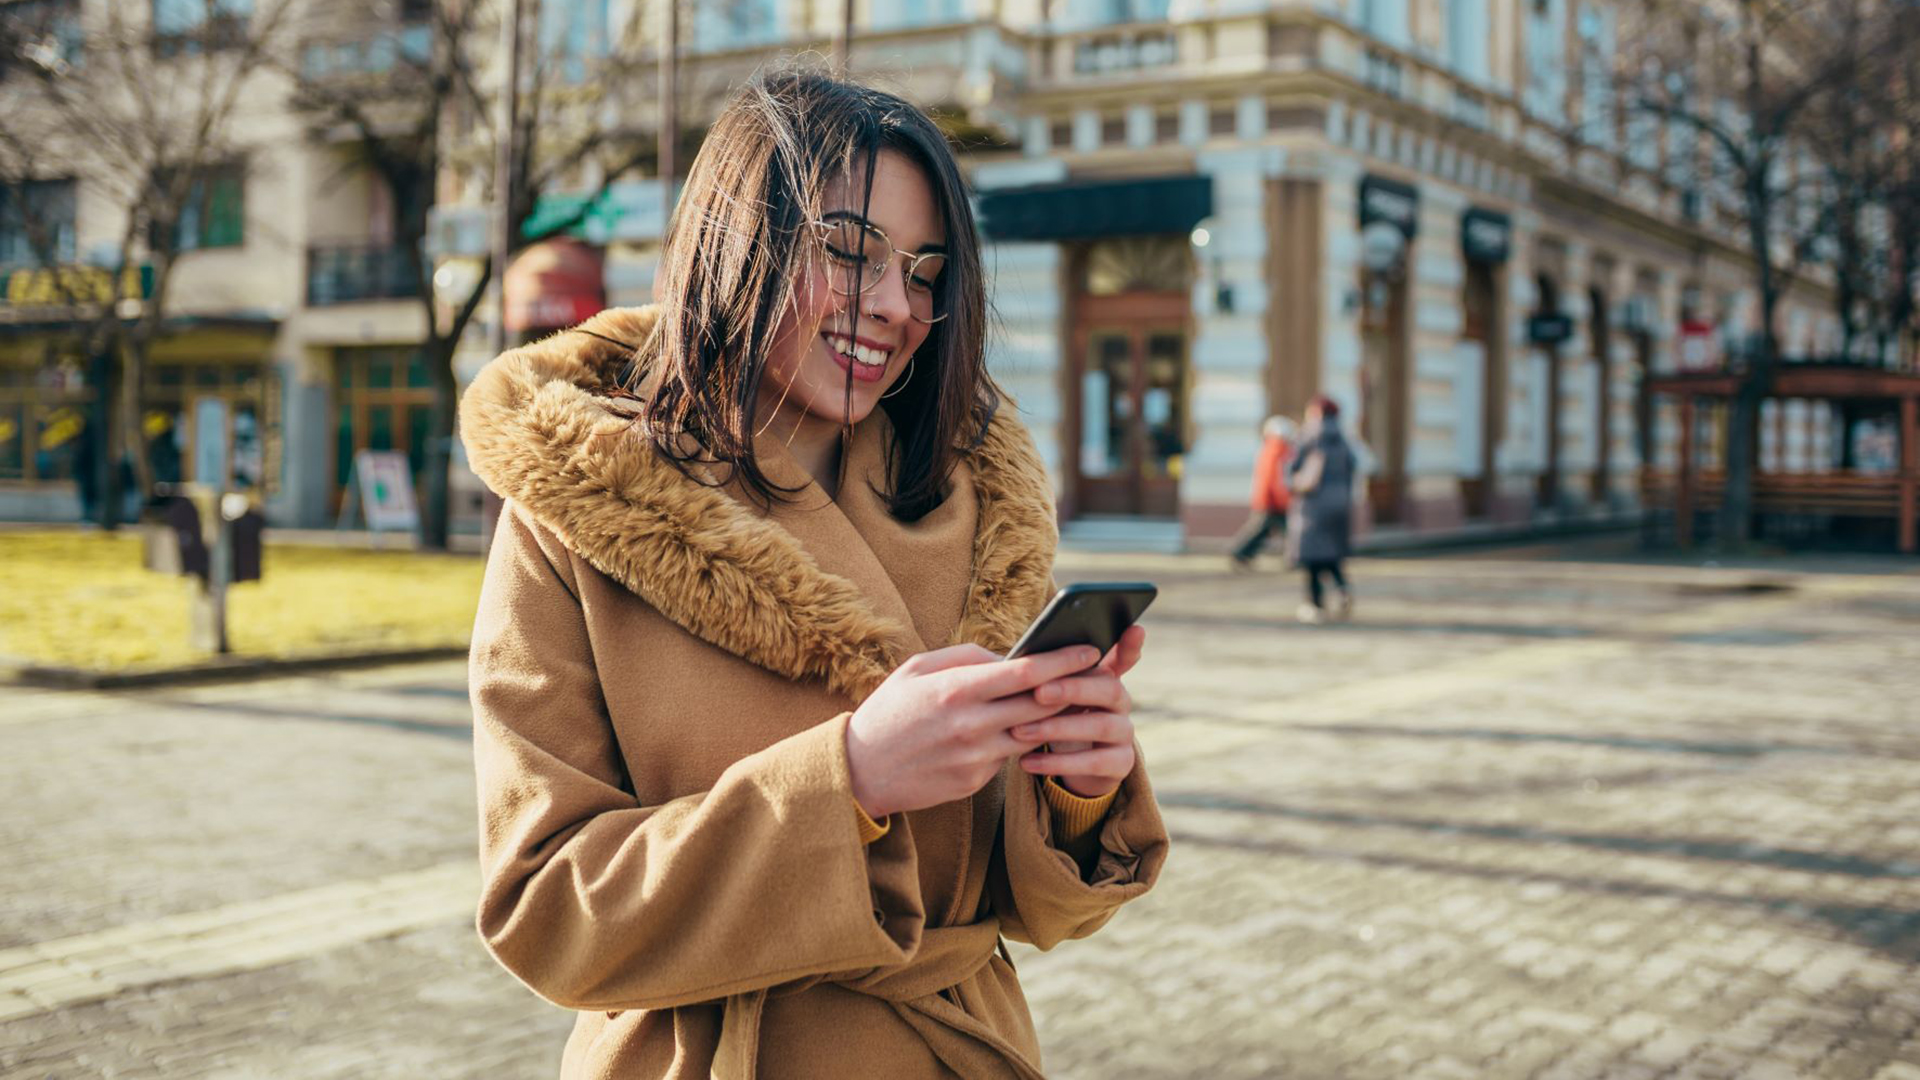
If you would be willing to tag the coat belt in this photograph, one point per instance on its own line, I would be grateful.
(947, 956)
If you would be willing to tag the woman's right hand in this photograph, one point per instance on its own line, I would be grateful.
(937, 729)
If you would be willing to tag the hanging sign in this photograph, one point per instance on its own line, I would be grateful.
(1486, 236)
(1549, 329)
(1390, 201)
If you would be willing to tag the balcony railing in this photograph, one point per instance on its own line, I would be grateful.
(342, 273)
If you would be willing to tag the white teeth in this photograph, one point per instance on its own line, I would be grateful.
(861, 353)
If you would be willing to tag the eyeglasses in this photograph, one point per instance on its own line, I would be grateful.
(858, 255)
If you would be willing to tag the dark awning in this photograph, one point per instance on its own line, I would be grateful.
(1087, 209)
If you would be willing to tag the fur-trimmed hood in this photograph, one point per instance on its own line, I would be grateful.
(539, 431)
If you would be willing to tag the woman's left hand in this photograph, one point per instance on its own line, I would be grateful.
(1089, 747)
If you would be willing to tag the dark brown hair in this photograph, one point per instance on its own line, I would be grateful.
(732, 252)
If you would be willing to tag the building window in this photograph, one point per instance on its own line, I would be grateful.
(186, 27)
(1114, 12)
(1596, 67)
(733, 24)
(900, 14)
(37, 223)
(1386, 20)
(1468, 38)
(573, 33)
(1546, 79)
(213, 215)
(1166, 127)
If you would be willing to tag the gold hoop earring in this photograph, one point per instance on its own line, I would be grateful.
(902, 384)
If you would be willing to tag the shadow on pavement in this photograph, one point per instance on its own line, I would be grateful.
(1614, 742)
(1743, 852)
(1521, 630)
(462, 730)
(1894, 930)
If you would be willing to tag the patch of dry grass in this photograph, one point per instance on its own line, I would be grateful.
(83, 600)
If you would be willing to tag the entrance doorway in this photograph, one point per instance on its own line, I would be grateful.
(1600, 330)
(1130, 376)
(1549, 482)
(1482, 318)
(1384, 412)
(383, 401)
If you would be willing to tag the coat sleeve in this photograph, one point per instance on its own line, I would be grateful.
(1041, 894)
(598, 902)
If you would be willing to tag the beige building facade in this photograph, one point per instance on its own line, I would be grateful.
(1198, 213)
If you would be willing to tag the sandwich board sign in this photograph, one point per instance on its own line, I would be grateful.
(383, 487)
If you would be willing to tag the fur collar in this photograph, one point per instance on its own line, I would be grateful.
(537, 431)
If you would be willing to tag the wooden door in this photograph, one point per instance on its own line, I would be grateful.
(1130, 416)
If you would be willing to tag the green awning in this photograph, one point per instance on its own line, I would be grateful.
(1088, 209)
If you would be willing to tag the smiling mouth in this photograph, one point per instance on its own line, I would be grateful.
(867, 363)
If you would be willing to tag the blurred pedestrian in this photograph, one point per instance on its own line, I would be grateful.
(1320, 522)
(1269, 498)
(739, 807)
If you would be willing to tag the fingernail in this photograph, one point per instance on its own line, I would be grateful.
(1047, 694)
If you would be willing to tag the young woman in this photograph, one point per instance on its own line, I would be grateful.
(757, 795)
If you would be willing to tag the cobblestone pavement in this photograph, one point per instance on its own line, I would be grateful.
(1521, 818)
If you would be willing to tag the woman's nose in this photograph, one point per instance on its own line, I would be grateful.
(888, 300)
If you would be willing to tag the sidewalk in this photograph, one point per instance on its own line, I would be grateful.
(1522, 820)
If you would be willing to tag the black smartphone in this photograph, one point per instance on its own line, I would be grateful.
(1092, 613)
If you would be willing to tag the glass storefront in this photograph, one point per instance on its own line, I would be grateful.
(46, 412)
(43, 416)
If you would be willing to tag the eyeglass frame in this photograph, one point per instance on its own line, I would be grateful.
(914, 259)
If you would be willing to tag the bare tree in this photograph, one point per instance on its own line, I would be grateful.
(1751, 82)
(141, 110)
(427, 121)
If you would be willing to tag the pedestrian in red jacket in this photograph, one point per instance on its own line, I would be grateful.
(1270, 497)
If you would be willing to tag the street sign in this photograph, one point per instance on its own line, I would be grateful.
(386, 491)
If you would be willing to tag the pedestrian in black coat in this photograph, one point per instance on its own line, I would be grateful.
(1320, 518)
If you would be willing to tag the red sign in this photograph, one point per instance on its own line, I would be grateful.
(554, 284)
(1699, 346)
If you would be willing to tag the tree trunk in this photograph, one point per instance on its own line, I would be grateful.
(103, 372)
(436, 508)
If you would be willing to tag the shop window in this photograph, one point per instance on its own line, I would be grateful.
(43, 419)
(168, 421)
(13, 439)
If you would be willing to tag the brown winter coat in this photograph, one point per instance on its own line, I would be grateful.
(662, 675)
